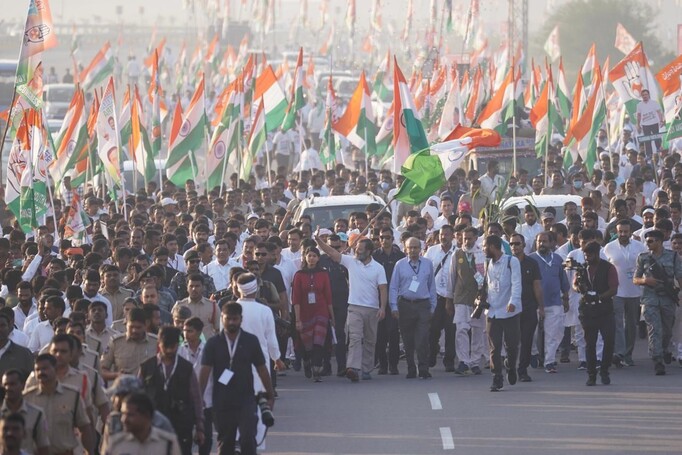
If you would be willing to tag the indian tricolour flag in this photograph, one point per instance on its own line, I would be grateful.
(539, 118)
(124, 118)
(588, 69)
(296, 102)
(225, 139)
(358, 124)
(582, 138)
(73, 136)
(408, 133)
(100, 68)
(632, 75)
(17, 162)
(141, 149)
(274, 101)
(187, 139)
(257, 139)
(328, 148)
(499, 109)
(451, 115)
(670, 80)
(562, 93)
(383, 85)
(108, 135)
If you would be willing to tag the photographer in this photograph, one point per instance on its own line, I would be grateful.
(656, 271)
(597, 283)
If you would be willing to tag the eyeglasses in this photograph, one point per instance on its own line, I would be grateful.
(261, 254)
(515, 243)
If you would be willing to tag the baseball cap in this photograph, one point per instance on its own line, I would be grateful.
(168, 201)
(547, 216)
(325, 231)
(126, 383)
(191, 254)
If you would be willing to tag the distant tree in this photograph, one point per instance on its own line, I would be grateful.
(582, 23)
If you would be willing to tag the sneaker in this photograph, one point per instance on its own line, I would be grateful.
(523, 377)
(582, 366)
(497, 384)
(352, 374)
(450, 369)
(605, 378)
(591, 380)
(629, 362)
(550, 368)
(425, 374)
(366, 376)
(618, 361)
(668, 358)
(411, 375)
(462, 369)
(659, 368)
(476, 370)
(511, 376)
(564, 358)
(534, 361)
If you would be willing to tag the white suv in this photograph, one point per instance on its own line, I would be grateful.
(324, 210)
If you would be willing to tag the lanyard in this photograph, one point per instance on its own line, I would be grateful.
(167, 378)
(416, 270)
(232, 348)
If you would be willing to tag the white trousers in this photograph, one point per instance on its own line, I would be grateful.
(469, 349)
(554, 331)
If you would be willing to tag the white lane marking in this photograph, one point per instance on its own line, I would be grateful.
(446, 437)
(435, 402)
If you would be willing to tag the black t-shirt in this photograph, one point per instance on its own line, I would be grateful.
(239, 390)
(530, 272)
(274, 276)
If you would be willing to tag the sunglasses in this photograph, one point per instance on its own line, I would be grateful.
(386, 237)
(651, 240)
(261, 254)
(515, 243)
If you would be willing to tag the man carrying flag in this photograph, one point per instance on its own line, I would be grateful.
(649, 120)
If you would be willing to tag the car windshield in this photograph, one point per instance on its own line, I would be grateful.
(60, 95)
(325, 216)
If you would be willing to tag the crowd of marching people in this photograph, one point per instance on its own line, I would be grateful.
(157, 329)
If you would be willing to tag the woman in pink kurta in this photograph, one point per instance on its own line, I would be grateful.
(312, 301)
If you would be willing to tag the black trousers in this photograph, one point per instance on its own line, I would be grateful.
(340, 316)
(646, 131)
(442, 321)
(507, 331)
(205, 448)
(415, 320)
(593, 326)
(529, 322)
(388, 336)
(227, 423)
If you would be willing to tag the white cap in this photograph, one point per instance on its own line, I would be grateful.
(630, 146)
(168, 201)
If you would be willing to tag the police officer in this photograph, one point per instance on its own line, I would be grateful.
(64, 409)
(139, 435)
(598, 287)
(35, 438)
(127, 351)
(655, 272)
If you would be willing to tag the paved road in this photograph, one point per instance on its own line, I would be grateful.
(555, 414)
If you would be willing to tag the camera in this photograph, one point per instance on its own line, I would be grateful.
(481, 304)
(572, 264)
(266, 415)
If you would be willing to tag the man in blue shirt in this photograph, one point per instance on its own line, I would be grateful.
(412, 296)
(555, 289)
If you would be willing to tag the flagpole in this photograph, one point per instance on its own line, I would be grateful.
(267, 160)
(606, 120)
(366, 153)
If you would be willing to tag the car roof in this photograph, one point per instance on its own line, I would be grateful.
(347, 199)
(541, 201)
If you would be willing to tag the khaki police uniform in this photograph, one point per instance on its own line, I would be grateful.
(36, 426)
(116, 298)
(158, 442)
(89, 357)
(125, 355)
(118, 326)
(206, 310)
(74, 378)
(99, 341)
(64, 411)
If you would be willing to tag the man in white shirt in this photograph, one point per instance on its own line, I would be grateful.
(366, 307)
(293, 251)
(441, 257)
(26, 306)
(446, 210)
(284, 147)
(219, 268)
(531, 228)
(16, 336)
(491, 181)
(649, 120)
(623, 253)
(43, 333)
